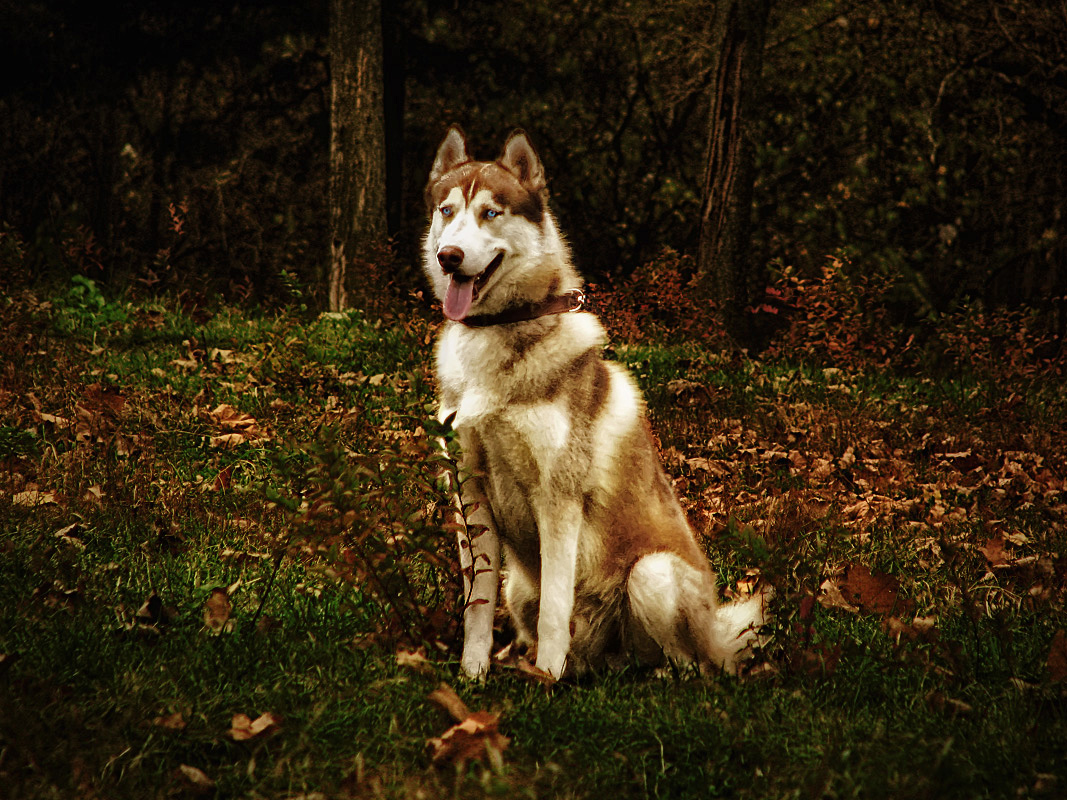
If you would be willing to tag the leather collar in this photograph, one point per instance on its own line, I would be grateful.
(555, 304)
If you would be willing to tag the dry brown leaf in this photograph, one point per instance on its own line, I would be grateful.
(919, 629)
(229, 418)
(531, 672)
(830, 596)
(994, 551)
(228, 441)
(949, 705)
(236, 427)
(217, 611)
(151, 611)
(874, 592)
(65, 536)
(445, 697)
(59, 422)
(413, 659)
(33, 497)
(223, 480)
(243, 727)
(195, 779)
(171, 722)
(474, 738)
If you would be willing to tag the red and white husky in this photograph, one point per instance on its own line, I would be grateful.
(601, 562)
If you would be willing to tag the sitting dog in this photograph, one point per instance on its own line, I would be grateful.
(564, 477)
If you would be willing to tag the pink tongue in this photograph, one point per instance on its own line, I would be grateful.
(458, 298)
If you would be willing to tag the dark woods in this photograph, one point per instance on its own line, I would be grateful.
(184, 146)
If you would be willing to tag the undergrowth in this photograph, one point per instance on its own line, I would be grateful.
(227, 559)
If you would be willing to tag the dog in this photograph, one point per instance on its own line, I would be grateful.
(562, 473)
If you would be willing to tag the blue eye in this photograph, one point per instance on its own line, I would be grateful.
(446, 211)
(491, 213)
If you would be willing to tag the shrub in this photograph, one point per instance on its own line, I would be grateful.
(380, 522)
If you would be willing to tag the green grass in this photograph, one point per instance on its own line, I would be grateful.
(795, 469)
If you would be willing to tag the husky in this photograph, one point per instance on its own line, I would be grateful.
(564, 479)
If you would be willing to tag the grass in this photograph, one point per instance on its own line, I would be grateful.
(115, 489)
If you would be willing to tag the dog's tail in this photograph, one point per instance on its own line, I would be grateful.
(677, 606)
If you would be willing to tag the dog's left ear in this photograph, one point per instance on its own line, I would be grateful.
(521, 161)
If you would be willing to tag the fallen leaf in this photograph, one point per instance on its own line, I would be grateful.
(243, 728)
(223, 480)
(919, 629)
(65, 535)
(1045, 783)
(59, 598)
(228, 441)
(33, 497)
(949, 705)
(217, 611)
(171, 722)
(994, 553)
(474, 738)
(536, 674)
(236, 426)
(195, 779)
(151, 611)
(830, 596)
(413, 659)
(874, 592)
(445, 697)
(228, 417)
(59, 422)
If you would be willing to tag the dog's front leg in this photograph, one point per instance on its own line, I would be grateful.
(479, 561)
(559, 530)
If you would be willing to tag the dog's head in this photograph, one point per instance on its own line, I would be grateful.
(489, 219)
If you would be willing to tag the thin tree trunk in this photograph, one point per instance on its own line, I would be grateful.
(723, 261)
(357, 138)
(393, 82)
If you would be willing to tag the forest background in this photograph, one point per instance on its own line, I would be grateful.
(184, 146)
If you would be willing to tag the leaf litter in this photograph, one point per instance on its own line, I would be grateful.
(475, 736)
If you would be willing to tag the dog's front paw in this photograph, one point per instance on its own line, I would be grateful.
(474, 667)
(551, 663)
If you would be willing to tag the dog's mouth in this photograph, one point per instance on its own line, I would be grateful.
(463, 290)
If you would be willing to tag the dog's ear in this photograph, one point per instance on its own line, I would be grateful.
(521, 161)
(451, 153)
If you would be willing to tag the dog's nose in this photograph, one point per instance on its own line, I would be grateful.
(450, 258)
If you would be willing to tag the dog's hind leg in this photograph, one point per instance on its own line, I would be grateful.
(676, 605)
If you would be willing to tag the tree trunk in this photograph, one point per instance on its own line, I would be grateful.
(393, 82)
(357, 138)
(723, 262)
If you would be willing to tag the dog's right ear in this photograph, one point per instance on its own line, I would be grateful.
(451, 153)
(520, 159)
